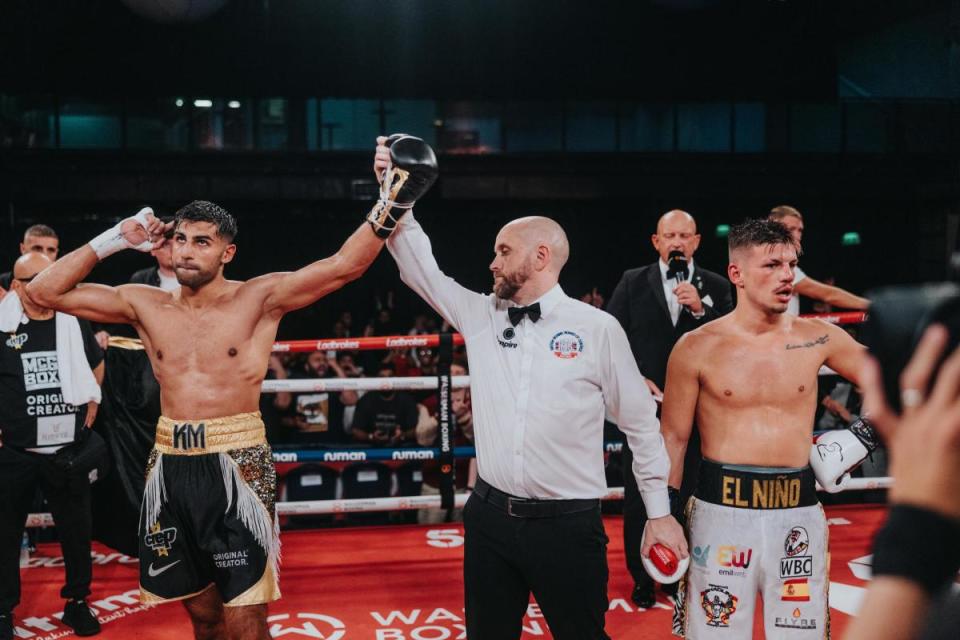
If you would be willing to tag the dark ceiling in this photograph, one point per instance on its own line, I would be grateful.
(497, 49)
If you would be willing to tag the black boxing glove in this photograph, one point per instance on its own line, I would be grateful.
(412, 170)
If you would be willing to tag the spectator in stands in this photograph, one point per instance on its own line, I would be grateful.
(316, 417)
(348, 363)
(346, 318)
(273, 406)
(382, 323)
(804, 285)
(339, 330)
(38, 238)
(428, 435)
(427, 359)
(387, 418)
(402, 363)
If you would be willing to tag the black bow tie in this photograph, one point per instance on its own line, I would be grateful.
(516, 313)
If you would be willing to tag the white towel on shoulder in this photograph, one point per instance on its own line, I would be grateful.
(76, 378)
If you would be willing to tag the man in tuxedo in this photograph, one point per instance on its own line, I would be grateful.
(656, 304)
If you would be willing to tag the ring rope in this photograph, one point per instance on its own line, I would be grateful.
(407, 503)
(430, 341)
(412, 383)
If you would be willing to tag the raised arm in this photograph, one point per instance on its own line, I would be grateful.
(57, 286)
(407, 167)
(411, 249)
(298, 289)
(680, 394)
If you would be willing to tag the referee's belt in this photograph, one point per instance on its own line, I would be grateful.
(530, 507)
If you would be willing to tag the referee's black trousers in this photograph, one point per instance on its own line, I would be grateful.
(562, 560)
(635, 513)
(69, 499)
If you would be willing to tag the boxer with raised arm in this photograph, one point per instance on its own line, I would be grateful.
(208, 517)
(750, 381)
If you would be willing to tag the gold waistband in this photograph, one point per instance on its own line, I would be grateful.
(209, 435)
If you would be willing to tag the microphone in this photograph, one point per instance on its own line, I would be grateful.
(677, 266)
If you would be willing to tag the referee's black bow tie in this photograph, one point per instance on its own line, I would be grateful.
(516, 313)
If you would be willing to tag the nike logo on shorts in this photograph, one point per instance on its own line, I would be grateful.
(153, 573)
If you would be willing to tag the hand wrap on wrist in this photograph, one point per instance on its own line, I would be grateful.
(111, 241)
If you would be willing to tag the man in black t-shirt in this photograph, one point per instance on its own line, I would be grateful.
(38, 429)
(316, 417)
(386, 418)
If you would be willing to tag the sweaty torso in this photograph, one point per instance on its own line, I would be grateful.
(758, 393)
(210, 360)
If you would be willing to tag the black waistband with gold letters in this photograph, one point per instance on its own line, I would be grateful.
(746, 487)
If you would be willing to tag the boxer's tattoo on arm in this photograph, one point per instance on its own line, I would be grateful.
(824, 339)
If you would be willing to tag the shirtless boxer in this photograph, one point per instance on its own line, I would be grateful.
(208, 515)
(750, 381)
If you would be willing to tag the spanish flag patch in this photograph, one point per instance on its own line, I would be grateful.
(795, 590)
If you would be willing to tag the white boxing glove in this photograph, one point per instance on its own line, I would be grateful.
(111, 241)
(835, 454)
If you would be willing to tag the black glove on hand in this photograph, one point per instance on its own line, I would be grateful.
(413, 169)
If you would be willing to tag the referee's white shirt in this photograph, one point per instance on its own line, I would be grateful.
(540, 390)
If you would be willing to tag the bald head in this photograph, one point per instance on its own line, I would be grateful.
(29, 265)
(677, 218)
(540, 231)
(528, 256)
(676, 231)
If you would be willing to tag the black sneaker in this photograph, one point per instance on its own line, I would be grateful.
(6, 626)
(643, 596)
(77, 616)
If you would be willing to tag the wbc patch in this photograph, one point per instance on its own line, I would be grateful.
(566, 345)
(796, 564)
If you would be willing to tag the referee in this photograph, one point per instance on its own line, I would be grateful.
(544, 369)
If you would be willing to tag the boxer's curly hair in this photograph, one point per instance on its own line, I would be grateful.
(759, 232)
(204, 211)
